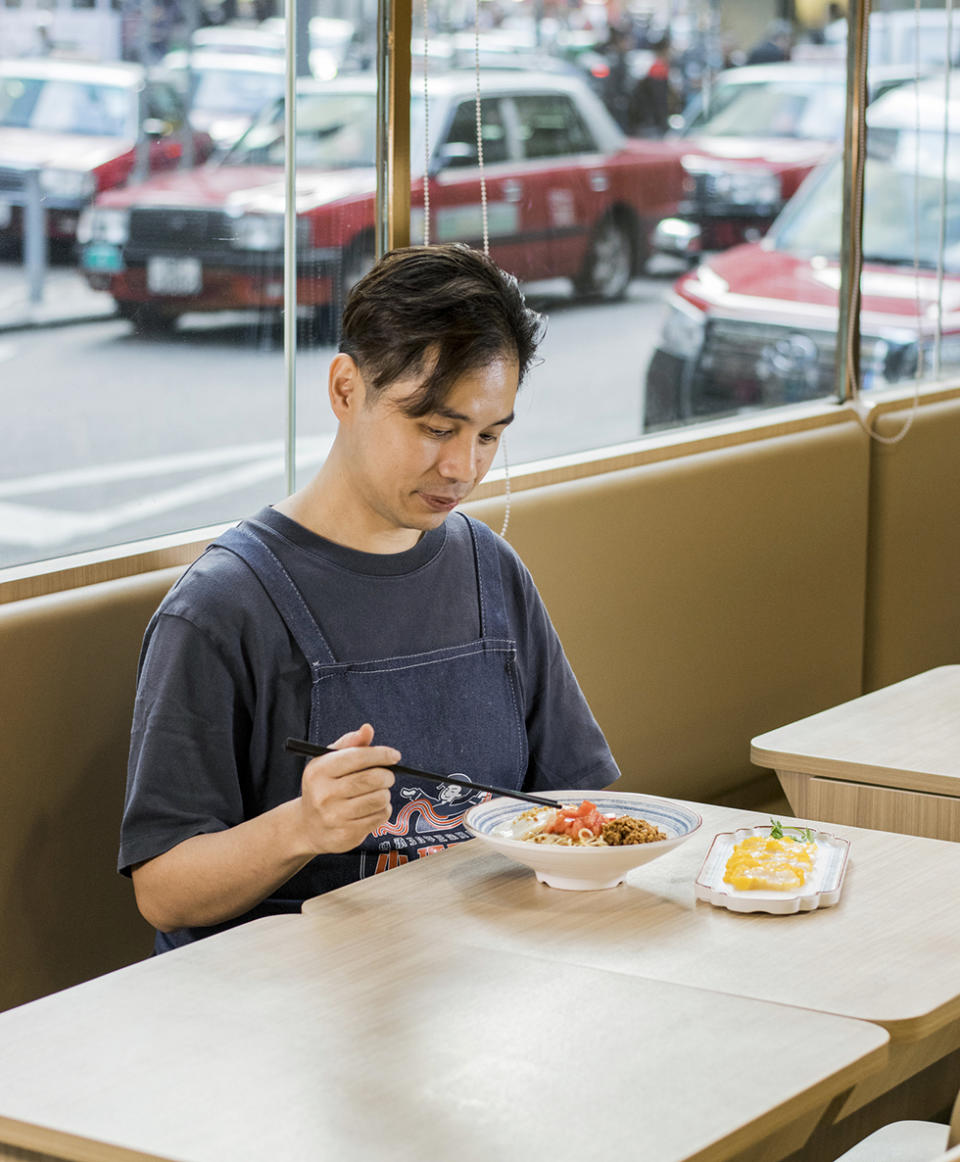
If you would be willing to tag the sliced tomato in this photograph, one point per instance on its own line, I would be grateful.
(572, 820)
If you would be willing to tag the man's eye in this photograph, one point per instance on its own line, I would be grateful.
(438, 433)
(489, 437)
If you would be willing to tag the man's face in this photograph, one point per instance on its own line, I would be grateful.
(410, 473)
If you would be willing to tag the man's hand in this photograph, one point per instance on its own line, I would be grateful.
(345, 796)
(218, 875)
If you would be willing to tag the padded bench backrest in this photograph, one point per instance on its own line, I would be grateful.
(913, 590)
(707, 599)
(67, 675)
(702, 601)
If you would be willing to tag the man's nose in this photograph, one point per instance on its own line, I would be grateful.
(459, 461)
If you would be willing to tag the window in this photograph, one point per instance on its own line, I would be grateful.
(550, 126)
(688, 274)
(460, 146)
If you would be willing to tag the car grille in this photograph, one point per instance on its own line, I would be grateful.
(706, 201)
(175, 231)
(744, 364)
(11, 180)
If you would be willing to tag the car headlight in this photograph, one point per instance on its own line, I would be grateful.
(102, 224)
(67, 183)
(683, 328)
(258, 232)
(735, 186)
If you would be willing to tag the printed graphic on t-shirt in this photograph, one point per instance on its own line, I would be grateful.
(427, 822)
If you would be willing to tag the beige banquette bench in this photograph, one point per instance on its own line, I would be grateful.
(702, 600)
(913, 561)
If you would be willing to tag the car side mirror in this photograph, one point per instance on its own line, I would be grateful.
(156, 127)
(454, 155)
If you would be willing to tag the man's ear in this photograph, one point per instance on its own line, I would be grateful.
(346, 387)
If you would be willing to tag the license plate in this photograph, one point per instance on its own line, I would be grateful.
(5, 215)
(102, 256)
(174, 276)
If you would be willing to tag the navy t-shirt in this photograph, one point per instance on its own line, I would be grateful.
(221, 682)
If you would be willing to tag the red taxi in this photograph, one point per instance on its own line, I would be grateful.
(756, 326)
(82, 128)
(748, 146)
(564, 194)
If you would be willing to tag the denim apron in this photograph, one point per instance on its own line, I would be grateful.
(455, 709)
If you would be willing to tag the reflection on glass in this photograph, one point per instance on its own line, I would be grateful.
(809, 108)
(55, 105)
(335, 127)
(225, 91)
(170, 412)
(756, 327)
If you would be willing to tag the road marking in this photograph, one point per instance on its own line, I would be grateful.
(41, 527)
(308, 450)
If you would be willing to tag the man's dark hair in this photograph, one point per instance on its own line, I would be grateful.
(447, 309)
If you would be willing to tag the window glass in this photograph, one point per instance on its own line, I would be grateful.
(627, 194)
(162, 408)
(59, 105)
(549, 126)
(336, 152)
(666, 185)
(163, 103)
(229, 90)
(774, 110)
(335, 130)
(459, 144)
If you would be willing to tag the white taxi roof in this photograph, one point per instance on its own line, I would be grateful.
(120, 73)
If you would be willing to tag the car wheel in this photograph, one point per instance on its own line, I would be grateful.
(608, 267)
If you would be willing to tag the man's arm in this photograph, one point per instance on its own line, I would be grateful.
(217, 876)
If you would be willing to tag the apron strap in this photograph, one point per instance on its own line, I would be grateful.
(280, 588)
(493, 606)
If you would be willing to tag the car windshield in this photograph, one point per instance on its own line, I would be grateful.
(772, 109)
(232, 91)
(908, 206)
(66, 106)
(334, 131)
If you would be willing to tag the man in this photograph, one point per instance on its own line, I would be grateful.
(652, 98)
(357, 602)
(776, 45)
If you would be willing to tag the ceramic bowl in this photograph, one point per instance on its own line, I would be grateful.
(496, 824)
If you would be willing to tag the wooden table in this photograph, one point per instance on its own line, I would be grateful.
(297, 1040)
(887, 952)
(889, 760)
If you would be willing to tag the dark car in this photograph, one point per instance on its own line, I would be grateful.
(564, 194)
(756, 326)
(83, 128)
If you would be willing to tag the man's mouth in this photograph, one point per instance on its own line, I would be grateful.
(438, 502)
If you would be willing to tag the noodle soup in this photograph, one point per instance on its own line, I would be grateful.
(627, 831)
(584, 825)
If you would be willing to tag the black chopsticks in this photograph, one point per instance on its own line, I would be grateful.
(300, 746)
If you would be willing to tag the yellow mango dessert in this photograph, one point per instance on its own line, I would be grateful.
(774, 864)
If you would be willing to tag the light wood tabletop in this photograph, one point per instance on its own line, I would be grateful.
(293, 1040)
(905, 735)
(886, 952)
(888, 760)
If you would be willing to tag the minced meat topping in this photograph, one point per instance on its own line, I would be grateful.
(626, 829)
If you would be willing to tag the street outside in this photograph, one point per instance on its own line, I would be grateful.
(112, 437)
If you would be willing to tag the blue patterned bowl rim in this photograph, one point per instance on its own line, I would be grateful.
(676, 818)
